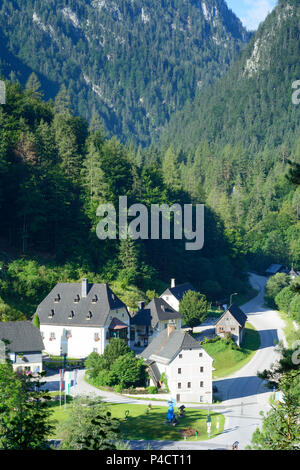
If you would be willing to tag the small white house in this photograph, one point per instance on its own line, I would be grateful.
(185, 364)
(79, 318)
(174, 294)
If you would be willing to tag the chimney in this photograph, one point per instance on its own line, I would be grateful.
(84, 288)
(141, 305)
(171, 328)
(172, 283)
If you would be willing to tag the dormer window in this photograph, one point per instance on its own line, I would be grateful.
(113, 296)
(95, 299)
(77, 299)
(71, 315)
(89, 315)
(51, 314)
(57, 299)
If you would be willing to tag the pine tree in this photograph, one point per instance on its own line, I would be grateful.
(33, 86)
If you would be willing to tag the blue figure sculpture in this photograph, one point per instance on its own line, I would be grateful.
(171, 415)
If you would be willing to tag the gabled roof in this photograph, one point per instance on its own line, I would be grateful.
(100, 300)
(157, 310)
(274, 268)
(237, 313)
(117, 324)
(23, 336)
(153, 371)
(179, 291)
(167, 347)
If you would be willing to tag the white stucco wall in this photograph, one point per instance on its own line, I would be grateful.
(81, 344)
(82, 341)
(190, 364)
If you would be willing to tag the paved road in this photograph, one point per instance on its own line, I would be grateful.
(244, 394)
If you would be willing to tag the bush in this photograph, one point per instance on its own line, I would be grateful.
(152, 390)
(193, 307)
(274, 285)
(295, 308)
(284, 299)
(128, 370)
(118, 388)
(105, 378)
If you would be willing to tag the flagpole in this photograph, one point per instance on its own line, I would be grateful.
(60, 387)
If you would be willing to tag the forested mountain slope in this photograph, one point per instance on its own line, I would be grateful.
(252, 103)
(54, 173)
(234, 141)
(131, 62)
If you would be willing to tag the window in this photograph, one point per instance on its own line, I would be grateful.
(89, 315)
(179, 371)
(52, 336)
(189, 385)
(179, 386)
(201, 369)
(180, 356)
(201, 399)
(201, 384)
(68, 334)
(200, 354)
(232, 329)
(51, 314)
(95, 350)
(96, 337)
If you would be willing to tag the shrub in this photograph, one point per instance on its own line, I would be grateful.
(274, 285)
(118, 388)
(193, 307)
(284, 299)
(152, 390)
(128, 370)
(295, 308)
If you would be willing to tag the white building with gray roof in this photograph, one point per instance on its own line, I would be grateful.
(79, 318)
(174, 294)
(186, 365)
(22, 344)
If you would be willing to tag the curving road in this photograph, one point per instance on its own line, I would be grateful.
(244, 395)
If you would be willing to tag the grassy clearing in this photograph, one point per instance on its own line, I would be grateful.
(227, 360)
(289, 330)
(153, 426)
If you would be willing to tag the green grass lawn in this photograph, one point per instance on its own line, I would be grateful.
(152, 426)
(289, 330)
(227, 360)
